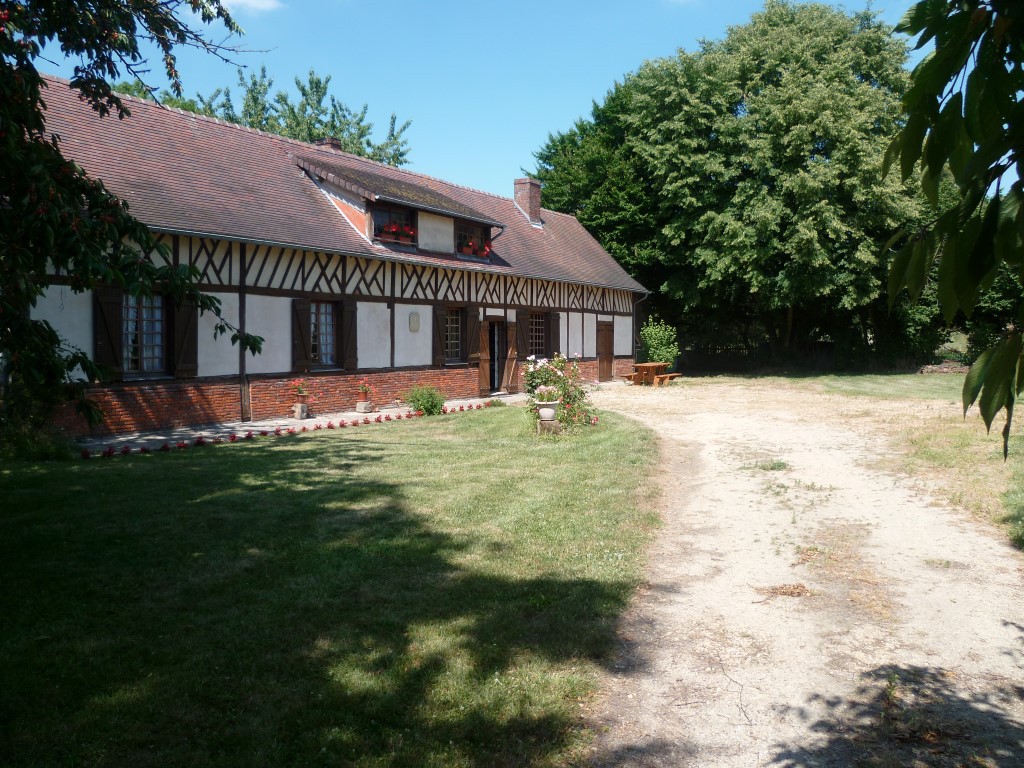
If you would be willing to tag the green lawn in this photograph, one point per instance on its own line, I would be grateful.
(435, 593)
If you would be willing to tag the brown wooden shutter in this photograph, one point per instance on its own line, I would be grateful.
(440, 320)
(185, 344)
(473, 335)
(349, 352)
(554, 333)
(522, 333)
(302, 357)
(107, 333)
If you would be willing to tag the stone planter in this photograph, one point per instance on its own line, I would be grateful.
(547, 411)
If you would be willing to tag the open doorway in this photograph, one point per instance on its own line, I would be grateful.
(497, 345)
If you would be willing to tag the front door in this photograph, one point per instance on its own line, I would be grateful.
(605, 351)
(497, 344)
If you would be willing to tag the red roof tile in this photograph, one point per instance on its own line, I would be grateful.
(186, 173)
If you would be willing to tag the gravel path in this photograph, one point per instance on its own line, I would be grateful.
(804, 606)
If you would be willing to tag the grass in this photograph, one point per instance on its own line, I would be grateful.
(439, 593)
(895, 386)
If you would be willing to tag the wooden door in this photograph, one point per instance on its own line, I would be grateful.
(605, 351)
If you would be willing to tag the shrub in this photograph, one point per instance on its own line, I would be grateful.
(425, 398)
(658, 342)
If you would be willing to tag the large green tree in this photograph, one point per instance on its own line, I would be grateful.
(55, 219)
(743, 182)
(966, 118)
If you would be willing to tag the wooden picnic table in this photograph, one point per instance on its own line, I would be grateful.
(645, 372)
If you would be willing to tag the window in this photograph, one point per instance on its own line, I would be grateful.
(323, 334)
(323, 327)
(143, 328)
(471, 239)
(538, 340)
(453, 340)
(394, 224)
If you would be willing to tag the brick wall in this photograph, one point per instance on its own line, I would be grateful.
(273, 397)
(155, 405)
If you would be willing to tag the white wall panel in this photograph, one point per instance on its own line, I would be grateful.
(413, 347)
(373, 334)
(590, 335)
(563, 332)
(69, 313)
(623, 335)
(271, 318)
(218, 357)
(574, 344)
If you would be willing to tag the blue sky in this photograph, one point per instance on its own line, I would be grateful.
(484, 83)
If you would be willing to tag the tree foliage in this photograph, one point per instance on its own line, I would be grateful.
(658, 342)
(743, 181)
(54, 219)
(966, 118)
(316, 114)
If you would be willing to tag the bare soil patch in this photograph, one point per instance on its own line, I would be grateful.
(808, 602)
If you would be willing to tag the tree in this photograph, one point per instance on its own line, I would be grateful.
(965, 117)
(54, 219)
(743, 181)
(315, 115)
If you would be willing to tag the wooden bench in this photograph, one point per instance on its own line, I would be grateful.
(664, 378)
(630, 377)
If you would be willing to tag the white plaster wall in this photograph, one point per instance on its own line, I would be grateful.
(590, 335)
(413, 347)
(70, 314)
(436, 233)
(373, 334)
(623, 335)
(604, 318)
(574, 345)
(271, 318)
(563, 333)
(510, 315)
(218, 357)
(494, 312)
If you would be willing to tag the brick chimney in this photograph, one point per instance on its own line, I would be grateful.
(329, 142)
(528, 199)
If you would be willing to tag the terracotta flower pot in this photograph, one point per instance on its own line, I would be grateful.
(301, 398)
(362, 397)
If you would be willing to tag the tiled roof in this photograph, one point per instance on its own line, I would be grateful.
(186, 173)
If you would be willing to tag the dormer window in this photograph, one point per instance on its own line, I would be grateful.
(472, 239)
(395, 225)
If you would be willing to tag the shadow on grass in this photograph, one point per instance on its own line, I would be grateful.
(915, 716)
(271, 608)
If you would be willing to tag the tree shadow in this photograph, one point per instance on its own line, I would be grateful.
(914, 716)
(274, 609)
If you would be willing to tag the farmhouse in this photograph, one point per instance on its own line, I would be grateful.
(347, 268)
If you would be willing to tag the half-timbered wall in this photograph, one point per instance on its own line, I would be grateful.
(394, 309)
(224, 263)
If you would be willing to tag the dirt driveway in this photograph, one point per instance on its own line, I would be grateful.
(805, 605)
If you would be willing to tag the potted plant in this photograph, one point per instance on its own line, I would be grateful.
(546, 402)
(468, 248)
(300, 389)
(365, 390)
(408, 234)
